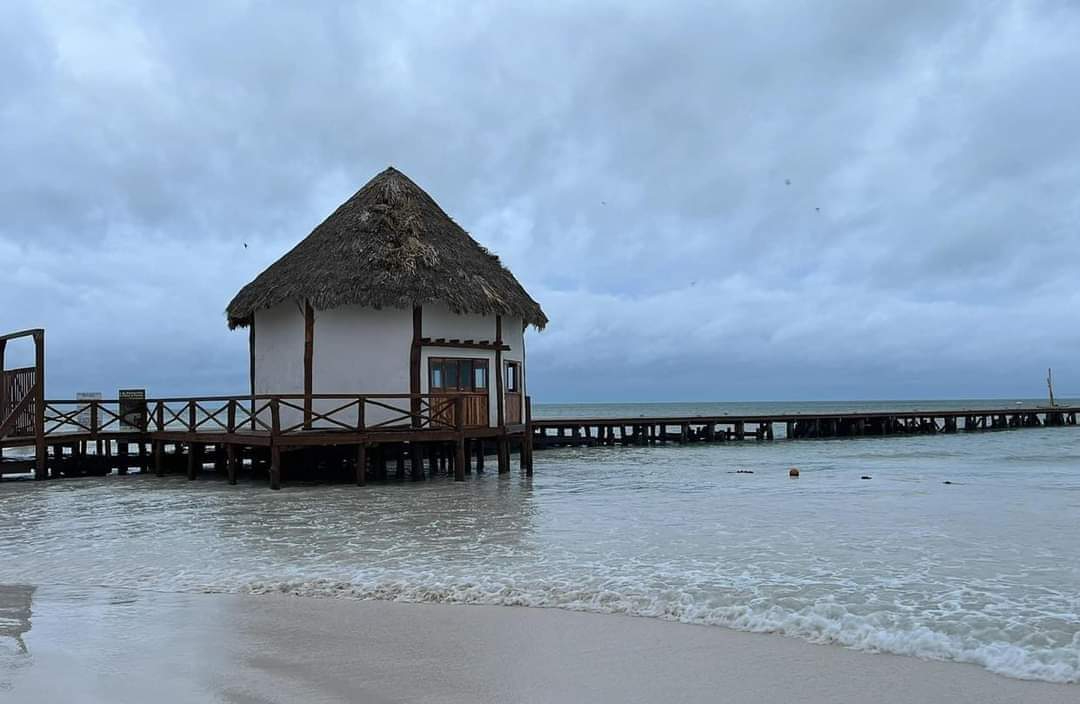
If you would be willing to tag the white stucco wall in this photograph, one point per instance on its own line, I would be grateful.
(279, 356)
(366, 351)
(440, 322)
(363, 351)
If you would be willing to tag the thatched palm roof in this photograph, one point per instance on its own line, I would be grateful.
(390, 245)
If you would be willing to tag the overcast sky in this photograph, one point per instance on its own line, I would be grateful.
(761, 201)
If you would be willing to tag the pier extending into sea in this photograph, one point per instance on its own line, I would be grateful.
(574, 432)
(380, 436)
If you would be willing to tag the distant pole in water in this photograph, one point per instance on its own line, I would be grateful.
(1050, 385)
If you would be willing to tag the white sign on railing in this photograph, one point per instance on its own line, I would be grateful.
(132, 409)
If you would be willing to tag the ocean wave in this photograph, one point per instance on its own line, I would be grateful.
(824, 622)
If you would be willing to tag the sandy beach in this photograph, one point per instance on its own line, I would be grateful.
(127, 646)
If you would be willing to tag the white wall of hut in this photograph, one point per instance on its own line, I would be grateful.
(364, 351)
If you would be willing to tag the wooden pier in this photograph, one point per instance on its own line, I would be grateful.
(590, 432)
(416, 436)
(379, 436)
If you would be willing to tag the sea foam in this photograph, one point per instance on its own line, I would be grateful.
(826, 623)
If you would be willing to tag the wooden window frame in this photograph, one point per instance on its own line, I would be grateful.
(475, 362)
(515, 366)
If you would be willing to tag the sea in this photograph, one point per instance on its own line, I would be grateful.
(961, 547)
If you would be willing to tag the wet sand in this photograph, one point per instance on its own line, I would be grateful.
(68, 644)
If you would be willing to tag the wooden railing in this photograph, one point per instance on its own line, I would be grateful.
(278, 414)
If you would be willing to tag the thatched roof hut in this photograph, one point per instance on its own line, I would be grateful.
(389, 246)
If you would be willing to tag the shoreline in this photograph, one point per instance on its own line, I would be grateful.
(271, 647)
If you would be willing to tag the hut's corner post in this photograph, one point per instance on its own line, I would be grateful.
(527, 439)
(500, 392)
(459, 442)
(41, 470)
(251, 367)
(414, 364)
(309, 361)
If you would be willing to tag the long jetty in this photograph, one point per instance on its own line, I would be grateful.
(379, 436)
(245, 434)
(577, 432)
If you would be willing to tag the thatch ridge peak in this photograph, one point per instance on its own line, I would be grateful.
(389, 245)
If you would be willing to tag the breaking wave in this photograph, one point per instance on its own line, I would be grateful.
(822, 622)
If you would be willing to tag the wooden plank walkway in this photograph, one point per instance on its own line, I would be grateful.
(575, 432)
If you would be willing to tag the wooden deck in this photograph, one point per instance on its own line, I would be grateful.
(332, 432)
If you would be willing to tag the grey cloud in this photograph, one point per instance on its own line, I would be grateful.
(630, 162)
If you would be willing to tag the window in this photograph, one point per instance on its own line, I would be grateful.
(513, 377)
(447, 374)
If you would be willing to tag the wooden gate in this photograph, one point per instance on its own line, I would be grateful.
(22, 397)
(474, 406)
(17, 402)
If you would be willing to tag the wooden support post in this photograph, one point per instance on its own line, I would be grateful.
(275, 467)
(144, 464)
(459, 443)
(504, 455)
(416, 457)
(230, 462)
(468, 455)
(479, 455)
(159, 467)
(122, 450)
(527, 439)
(361, 464)
(194, 462)
(275, 448)
(41, 469)
(378, 462)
